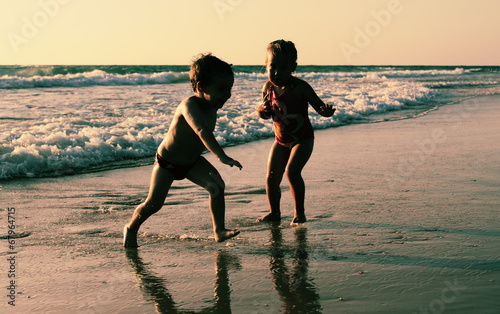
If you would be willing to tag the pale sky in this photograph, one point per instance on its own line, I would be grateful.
(328, 32)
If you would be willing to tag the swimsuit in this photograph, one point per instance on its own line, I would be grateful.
(179, 171)
(290, 117)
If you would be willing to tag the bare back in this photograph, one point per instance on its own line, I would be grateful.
(182, 144)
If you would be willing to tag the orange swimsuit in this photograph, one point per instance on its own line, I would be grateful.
(290, 117)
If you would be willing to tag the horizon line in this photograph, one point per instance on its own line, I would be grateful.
(300, 65)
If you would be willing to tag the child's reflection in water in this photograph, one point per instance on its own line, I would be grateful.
(295, 289)
(164, 303)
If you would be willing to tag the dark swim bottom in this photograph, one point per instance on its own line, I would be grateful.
(179, 171)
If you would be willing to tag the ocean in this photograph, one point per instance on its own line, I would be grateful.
(402, 211)
(62, 120)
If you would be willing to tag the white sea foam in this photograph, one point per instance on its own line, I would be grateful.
(102, 78)
(78, 128)
(112, 118)
(368, 74)
(95, 77)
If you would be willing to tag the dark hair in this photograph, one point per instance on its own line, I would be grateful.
(205, 68)
(283, 48)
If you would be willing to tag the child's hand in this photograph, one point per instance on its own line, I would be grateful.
(326, 110)
(266, 108)
(234, 162)
(230, 162)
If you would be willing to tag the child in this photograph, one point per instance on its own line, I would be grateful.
(179, 155)
(285, 99)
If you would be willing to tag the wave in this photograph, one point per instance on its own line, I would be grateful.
(380, 74)
(388, 73)
(93, 78)
(51, 70)
(78, 142)
(53, 132)
(43, 77)
(461, 84)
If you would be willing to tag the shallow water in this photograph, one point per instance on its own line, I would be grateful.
(360, 257)
(429, 243)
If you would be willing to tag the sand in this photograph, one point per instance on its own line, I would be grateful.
(403, 218)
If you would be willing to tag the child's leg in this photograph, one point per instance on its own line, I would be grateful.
(161, 180)
(298, 158)
(206, 176)
(278, 158)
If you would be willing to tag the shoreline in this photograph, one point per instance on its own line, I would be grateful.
(397, 212)
(389, 116)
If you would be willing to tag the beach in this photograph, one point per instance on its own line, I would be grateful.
(402, 218)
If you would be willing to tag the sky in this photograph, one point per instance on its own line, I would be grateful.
(171, 32)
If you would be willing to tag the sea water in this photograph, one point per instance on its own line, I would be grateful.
(58, 120)
(356, 254)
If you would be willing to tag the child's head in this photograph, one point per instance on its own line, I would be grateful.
(206, 68)
(282, 49)
(281, 61)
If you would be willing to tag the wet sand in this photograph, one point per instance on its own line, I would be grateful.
(403, 218)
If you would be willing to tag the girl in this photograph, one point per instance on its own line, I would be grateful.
(285, 100)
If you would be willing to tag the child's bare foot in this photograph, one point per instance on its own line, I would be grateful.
(129, 238)
(270, 217)
(223, 235)
(298, 220)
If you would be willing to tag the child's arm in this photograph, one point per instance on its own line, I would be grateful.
(197, 121)
(265, 109)
(321, 108)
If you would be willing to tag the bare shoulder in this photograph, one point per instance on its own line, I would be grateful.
(189, 103)
(189, 107)
(266, 87)
(302, 88)
(197, 114)
(306, 91)
(300, 84)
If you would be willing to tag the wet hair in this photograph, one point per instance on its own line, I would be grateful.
(205, 68)
(282, 48)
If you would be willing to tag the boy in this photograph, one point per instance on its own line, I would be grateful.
(179, 155)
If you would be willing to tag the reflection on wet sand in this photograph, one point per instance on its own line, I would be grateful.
(292, 283)
(294, 287)
(154, 286)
